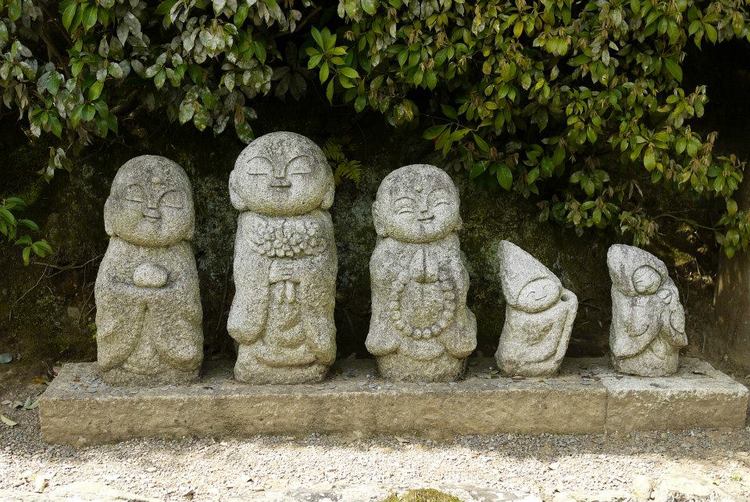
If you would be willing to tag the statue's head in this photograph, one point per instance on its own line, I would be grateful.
(646, 280)
(538, 295)
(528, 285)
(150, 203)
(636, 272)
(281, 174)
(417, 203)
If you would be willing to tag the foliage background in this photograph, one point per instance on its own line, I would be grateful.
(580, 119)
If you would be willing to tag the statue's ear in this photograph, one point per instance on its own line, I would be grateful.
(327, 202)
(377, 218)
(234, 195)
(108, 216)
(459, 224)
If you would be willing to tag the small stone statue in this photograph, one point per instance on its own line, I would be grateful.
(284, 262)
(148, 310)
(539, 315)
(420, 329)
(648, 321)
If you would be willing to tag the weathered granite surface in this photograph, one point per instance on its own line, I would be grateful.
(648, 320)
(539, 315)
(420, 328)
(284, 261)
(587, 396)
(149, 313)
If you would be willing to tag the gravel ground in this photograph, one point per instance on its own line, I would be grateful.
(351, 468)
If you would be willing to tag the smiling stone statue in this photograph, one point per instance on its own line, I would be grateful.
(284, 261)
(648, 321)
(539, 315)
(420, 329)
(148, 315)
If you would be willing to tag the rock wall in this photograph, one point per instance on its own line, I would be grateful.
(47, 311)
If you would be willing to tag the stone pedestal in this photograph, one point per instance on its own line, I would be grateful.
(586, 397)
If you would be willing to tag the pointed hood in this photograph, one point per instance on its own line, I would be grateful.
(518, 269)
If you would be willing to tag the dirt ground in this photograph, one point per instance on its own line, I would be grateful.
(715, 464)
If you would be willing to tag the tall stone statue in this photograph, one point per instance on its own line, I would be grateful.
(648, 321)
(539, 315)
(284, 261)
(148, 310)
(420, 329)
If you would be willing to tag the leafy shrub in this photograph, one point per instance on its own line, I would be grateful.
(16, 230)
(579, 105)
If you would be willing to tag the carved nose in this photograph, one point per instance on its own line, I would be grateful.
(151, 212)
(279, 171)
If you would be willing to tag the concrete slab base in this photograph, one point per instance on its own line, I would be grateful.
(587, 397)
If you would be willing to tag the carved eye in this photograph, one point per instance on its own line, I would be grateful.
(439, 197)
(173, 199)
(404, 205)
(135, 193)
(259, 166)
(300, 165)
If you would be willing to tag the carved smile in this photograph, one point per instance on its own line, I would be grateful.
(281, 184)
(426, 218)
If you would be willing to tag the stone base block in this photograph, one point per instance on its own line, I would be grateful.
(586, 397)
(697, 396)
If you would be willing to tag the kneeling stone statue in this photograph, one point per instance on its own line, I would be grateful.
(421, 329)
(148, 310)
(284, 262)
(539, 315)
(648, 321)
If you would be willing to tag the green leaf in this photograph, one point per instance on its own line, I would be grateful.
(370, 6)
(89, 17)
(26, 254)
(477, 169)
(244, 132)
(649, 159)
(95, 90)
(731, 207)
(434, 131)
(317, 37)
(504, 176)
(29, 224)
(324, 72)
(260, 51)
(481, 143)
(314, 61)
(329, 91)
(674, 69)
(14, 10)
(360, 103)
(349, 72)
(68, 13)
(187, 110)
(160, 78)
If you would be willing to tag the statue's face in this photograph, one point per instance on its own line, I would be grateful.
(539, 295)
(646, 280)
(281, 174)
(150, 203)
(417, 204)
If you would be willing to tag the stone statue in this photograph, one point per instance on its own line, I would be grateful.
(539, 315)
(420, 329)
(648, 321)
(284, 262)
(148, 310)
